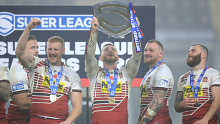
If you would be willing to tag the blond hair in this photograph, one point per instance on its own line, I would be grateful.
(55, 39)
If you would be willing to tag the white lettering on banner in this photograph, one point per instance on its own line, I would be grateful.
(73, 63)
(11, 50)
(120, 48)
(55, 22)
(52, 22)
(89, 22)
(80, 47)
(8, 47)
(67, 49)
(41, 48)
(44, 23)
(79, 23)
(70, 22)
(21, 22)
(3, 49)
(4, 62)
(60, 23)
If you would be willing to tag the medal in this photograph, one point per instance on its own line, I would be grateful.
(197, 101)
(53, 98)
(54, 86)
(111, 87)
(111, 100)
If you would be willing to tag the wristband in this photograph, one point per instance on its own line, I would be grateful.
(150, 113)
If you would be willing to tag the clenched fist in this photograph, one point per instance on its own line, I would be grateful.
(33, 23)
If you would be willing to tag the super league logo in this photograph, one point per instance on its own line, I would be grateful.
(6, 23)
(10, 22)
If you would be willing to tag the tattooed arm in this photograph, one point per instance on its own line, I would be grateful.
(179, 98)
(4, 84)
(155, 105)
(181, 104)
(4, 91)
(91, 63)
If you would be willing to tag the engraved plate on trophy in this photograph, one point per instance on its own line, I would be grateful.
(113, 17)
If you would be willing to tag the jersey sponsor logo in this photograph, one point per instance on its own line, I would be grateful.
(10, 22)
(18, 86)
(46, 83)
(67, 79)
(187, 89)
(104, 87)
(163, 83)
(218, 79)
(120, 75)
(144, 91)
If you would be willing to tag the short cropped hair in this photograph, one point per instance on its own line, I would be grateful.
(156, 41)
(203, 48)
(31, 37)
(55, 39)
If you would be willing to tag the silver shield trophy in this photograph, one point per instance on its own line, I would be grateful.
(113, 17)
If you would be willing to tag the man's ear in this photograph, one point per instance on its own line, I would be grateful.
(161, 54)
(203, 55)
(100, 58)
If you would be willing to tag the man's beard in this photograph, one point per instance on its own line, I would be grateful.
(110, 61)
(195, 60)
(151, 61)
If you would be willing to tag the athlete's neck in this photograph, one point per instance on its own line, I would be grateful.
(110, 66)
(199, 67)
(154, 64)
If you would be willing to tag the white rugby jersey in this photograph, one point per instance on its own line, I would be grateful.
(40, 87)
(159, 78)
(210, 78)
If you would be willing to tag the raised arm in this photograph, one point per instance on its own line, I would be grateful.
(91, 63)
(4, 85)
(134, 62)
(24, 56)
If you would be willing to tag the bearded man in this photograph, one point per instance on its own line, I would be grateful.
(198, 90)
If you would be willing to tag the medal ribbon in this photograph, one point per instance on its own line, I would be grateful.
(195, 90)
(137, 33)
(54, 87)
(111, 87)
(142, 82)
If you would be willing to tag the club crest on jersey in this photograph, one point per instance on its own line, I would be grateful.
(183, 80)
(120, 75)
(67, 79)
(205, 79)
(148, 79)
